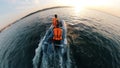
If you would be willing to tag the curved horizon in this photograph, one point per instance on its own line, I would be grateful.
(44, 9)
(32, 14)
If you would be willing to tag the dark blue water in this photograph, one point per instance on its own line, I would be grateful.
(93, 38)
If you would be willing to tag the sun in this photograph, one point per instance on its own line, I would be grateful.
(78, 7)
(83, 4)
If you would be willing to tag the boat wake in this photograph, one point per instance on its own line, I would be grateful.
(47, 56)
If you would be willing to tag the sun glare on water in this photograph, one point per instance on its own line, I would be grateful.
(77, 5)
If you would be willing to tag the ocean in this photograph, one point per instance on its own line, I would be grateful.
(93, 38)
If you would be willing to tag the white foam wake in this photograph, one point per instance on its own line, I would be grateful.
(41, 60)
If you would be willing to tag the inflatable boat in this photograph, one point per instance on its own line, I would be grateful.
(47, 45)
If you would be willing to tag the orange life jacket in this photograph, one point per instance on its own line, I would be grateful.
(57, 34)
(54, 21)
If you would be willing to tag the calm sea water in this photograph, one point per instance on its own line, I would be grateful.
(93, 38)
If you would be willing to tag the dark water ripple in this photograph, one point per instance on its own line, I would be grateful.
(90, 49)
(19, 47)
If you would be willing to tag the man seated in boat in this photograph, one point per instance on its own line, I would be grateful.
(57, 34)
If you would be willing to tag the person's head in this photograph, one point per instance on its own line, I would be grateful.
(55, 15)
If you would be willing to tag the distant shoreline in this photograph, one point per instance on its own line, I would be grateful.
(34, 13)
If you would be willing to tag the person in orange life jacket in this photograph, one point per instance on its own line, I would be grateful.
(54, 20)
(57, 34)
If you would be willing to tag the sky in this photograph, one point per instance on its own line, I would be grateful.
(12, 10)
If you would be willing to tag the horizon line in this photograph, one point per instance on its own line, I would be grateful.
(44, 9)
